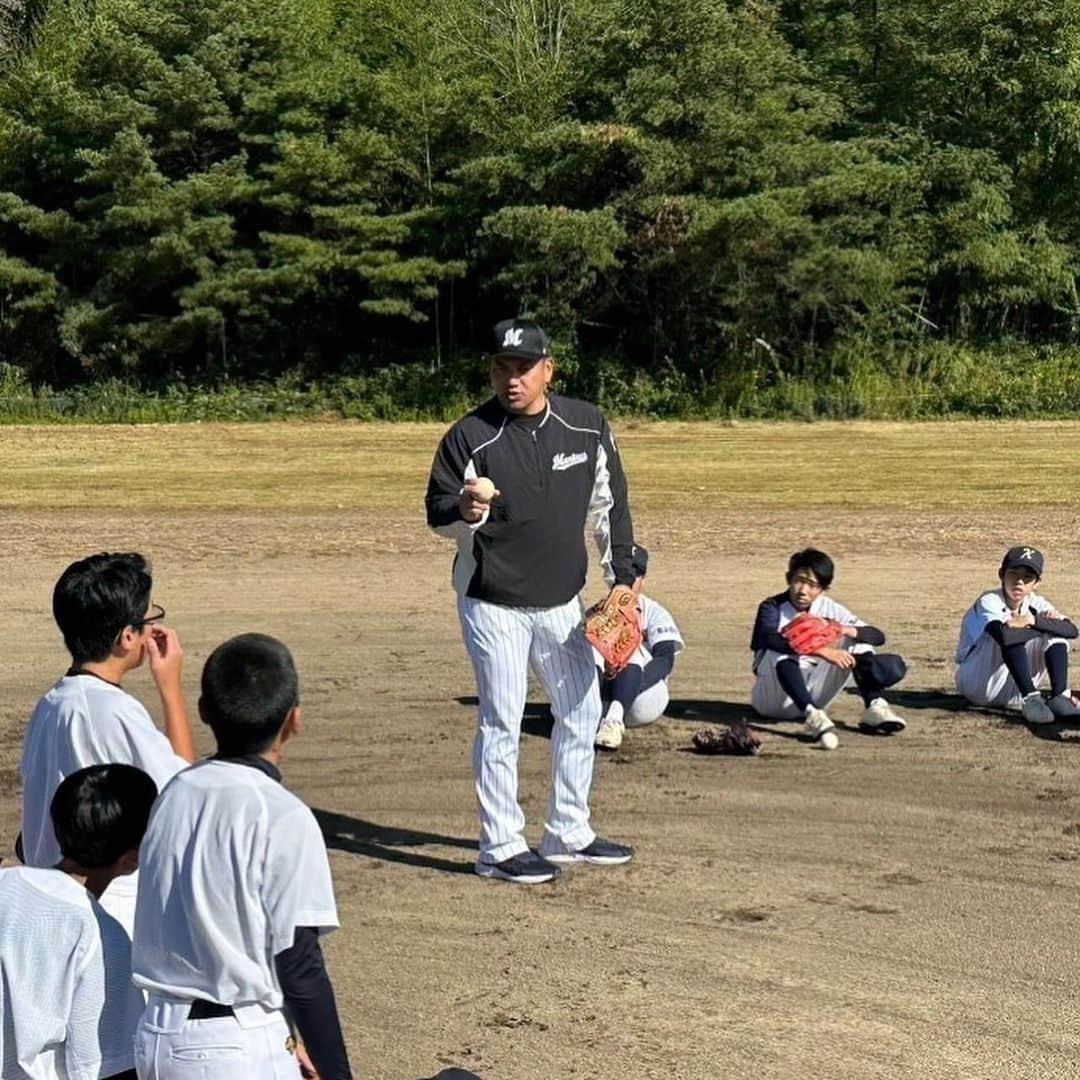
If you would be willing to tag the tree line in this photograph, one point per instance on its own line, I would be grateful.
(735, 193)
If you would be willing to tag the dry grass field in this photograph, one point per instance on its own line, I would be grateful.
(901, 908)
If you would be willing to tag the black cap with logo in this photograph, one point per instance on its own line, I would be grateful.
(1023, 558)
(639, 560)
(519, 337)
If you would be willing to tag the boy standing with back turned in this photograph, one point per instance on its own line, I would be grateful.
(102, 607)
(235, 894)
(67, 1006)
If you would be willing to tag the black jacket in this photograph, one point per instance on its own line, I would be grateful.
(554, 472)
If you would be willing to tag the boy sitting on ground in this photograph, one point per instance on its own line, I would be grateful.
(638, 695)
(789, 686)
(1011, 639)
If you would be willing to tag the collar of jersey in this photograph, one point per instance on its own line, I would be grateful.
(252, 761)
(91, 675)
(536, 420)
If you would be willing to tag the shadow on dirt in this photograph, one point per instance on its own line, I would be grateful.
(357, 837)
(923, 699)
(535, 720)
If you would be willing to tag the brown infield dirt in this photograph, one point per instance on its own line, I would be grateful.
(902, 907)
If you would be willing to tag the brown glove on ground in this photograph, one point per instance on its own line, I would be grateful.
(737, 739)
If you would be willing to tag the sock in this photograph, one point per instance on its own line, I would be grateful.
(1016, 660)
(1057, 667)
(790, 677)
(625, 687)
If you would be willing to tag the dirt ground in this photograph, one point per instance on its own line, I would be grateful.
(902, 907)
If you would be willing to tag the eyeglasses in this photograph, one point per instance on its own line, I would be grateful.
(157, 613)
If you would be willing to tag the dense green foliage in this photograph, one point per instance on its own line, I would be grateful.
(800, 206)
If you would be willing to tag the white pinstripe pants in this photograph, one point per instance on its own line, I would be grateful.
(502, 642)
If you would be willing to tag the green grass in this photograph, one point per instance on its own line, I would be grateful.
(1000, 468)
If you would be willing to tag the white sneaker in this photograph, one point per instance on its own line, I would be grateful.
(820, 728)
(1035, 710)
(880, 718)
(610, 733)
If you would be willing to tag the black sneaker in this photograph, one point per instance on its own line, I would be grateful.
(528, 868)
(599, 853)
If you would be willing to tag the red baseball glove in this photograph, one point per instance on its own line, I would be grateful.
(808, 633)
(613, 628)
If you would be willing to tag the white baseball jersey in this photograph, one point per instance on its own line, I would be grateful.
(823, 606)
(66, 1000)
(231, 865)
(657, 625)
(990, 607)
(83, 721)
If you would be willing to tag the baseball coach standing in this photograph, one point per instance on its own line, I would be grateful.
(514, 482)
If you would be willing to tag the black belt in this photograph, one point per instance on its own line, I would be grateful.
(208, 1010)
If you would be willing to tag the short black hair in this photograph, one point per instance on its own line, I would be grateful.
(817, 562)
(249, 685)
(96, 598)
(100, 812)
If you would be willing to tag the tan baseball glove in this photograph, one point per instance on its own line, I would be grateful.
(613, 628)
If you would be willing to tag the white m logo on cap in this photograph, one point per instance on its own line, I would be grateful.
(512, 337)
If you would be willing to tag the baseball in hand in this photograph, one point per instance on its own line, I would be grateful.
(483, 489)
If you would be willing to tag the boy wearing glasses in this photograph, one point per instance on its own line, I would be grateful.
(102, 607)
(1010, 639)
(792, 687)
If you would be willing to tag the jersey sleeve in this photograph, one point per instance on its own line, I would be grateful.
(1038, 604)
(147, 746)
(988, 608)
(766, 624)
(297, 888)
(124, 1004)
(609, 512)
(82, 1046)
(830, 609)
(659, 625)
(453, 465)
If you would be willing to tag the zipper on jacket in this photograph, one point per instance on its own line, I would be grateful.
(539, 462)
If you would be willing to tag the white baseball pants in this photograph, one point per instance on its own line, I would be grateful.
(648, 706)
(254, 1044)
(502, 643)
(824, 681)
(983, 678)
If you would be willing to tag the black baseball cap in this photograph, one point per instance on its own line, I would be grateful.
(519, 337)
(639, 560)
(1023, 558)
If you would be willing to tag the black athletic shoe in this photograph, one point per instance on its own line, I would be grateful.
(599, 853)
(528, 868)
